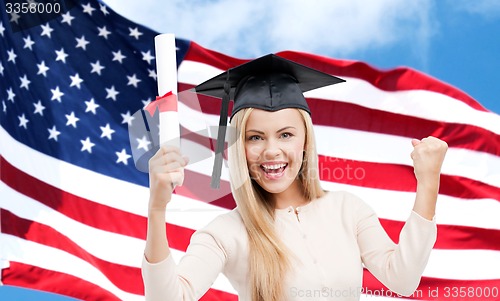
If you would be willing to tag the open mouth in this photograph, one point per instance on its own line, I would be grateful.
(274, 170)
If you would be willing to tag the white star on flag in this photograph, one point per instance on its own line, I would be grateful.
(12, 56)
(14, 17)
(112, 93)
(23, 122)
(87, 145)
(123, 157)
(28, 43)
(10, 95)
(53, 133)
(88, 9)
(106, 131)
(25, 82)
(46, 30)
(91, 106)
(134, 32)
(96, 67)
(152, 73)
(143, 143)
(104, 9)
(61, 55)
(72, 119)
(75, 80)
(39, 108)
(133, 80)
(118, 56)
(42, 69)
(103, 32)
(146, 102)
(67, 18)
(127, 118)
(147, 56)
(56, 94)
(81, 43)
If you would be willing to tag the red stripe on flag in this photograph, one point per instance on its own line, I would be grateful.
(379, 175)
(33, 277)
(351, 116)
(397, 79)
(165, 103)
(453, 237)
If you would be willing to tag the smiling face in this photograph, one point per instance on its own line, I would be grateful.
(274, 145)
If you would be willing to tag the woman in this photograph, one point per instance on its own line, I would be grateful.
(287, 239)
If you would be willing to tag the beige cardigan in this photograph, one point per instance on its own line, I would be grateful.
(332, 238)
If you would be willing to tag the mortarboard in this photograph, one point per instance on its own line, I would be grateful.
(269, 83)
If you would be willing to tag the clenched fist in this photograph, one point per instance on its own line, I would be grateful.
(428, 156)
(166, 170)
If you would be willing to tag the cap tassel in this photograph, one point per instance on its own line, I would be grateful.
(221, 137)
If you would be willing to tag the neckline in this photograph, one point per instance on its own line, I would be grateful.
(302, 208)
(291, 209)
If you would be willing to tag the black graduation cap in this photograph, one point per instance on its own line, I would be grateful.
(269, 83)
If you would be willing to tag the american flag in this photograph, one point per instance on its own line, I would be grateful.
(73, 206)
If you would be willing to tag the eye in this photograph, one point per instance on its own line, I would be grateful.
(286, 135)
(254, 138)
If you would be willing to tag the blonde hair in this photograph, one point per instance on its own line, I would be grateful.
(268, 256)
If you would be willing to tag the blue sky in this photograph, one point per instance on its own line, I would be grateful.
(455, 41)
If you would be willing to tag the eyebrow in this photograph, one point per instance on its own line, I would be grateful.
(280, 130)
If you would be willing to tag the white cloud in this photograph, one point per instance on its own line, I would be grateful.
(245, 28)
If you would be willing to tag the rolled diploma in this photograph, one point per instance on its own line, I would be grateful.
(166, 71)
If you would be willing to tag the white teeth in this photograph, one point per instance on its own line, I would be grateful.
(274, 166)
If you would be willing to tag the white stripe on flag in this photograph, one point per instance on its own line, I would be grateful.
(396, 206)
(463, 264)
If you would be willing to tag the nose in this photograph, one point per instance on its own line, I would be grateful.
(272, 150)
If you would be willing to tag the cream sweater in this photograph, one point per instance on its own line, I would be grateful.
(331, 237)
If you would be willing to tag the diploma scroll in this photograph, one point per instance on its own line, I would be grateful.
(166, 69)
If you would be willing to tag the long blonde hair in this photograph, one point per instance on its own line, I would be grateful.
(268, 256)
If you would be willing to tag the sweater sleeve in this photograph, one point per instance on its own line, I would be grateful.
(397, 266)
(192, 277)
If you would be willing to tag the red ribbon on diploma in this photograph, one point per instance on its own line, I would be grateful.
(165, 103)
